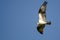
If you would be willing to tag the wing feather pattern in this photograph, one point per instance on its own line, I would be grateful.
(42, 11)
(40, 28)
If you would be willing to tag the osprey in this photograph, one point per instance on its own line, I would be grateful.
(42, 18)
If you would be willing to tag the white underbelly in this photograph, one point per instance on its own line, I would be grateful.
(42, 22)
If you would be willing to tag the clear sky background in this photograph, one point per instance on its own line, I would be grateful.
(18, 20)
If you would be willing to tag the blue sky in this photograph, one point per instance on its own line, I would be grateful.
(19, 18)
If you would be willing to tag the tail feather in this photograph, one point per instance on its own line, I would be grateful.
(49, 23)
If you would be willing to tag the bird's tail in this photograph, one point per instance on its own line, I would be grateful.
(49, 23)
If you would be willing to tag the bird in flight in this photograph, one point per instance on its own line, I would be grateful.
(42, 18)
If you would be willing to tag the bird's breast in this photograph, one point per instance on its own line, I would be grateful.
(42, 22)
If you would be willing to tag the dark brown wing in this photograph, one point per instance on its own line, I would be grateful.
(42, 11)
(40, 28)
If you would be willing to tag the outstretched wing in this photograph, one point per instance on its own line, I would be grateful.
(42, 12)
(40, 28)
